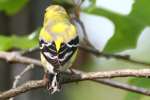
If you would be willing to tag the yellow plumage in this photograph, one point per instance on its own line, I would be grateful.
(45, 35)
(58, 42)
(56, 23)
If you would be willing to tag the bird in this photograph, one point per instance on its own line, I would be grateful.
(58, 41)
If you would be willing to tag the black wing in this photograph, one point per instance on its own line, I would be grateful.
(58, 59)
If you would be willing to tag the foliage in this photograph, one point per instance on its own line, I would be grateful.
(24, 42)
(12, 6)
(128, 28)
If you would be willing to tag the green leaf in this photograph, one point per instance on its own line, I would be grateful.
(5, 43)
(142, 82)
(127, 28)
(23, 42)
(20, 42)
(12, 6)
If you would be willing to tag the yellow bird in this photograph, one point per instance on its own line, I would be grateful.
(58, 44)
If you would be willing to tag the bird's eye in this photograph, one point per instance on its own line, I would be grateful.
(42, 41)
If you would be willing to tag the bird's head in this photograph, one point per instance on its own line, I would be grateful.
(55, 12)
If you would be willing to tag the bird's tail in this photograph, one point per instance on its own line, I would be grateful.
(53, 83)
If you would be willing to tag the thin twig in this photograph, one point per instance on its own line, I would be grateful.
(79, 24)
(18, 77)
(30, 50)
(81, 76)
(116, 56)
(16, 57)
(123, 86)
(77, 3)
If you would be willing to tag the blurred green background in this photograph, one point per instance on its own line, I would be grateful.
(113, 26)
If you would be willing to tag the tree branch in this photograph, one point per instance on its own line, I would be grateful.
(77, 76)
(115, 56)
(16, 57)
(80, 76)
(112, 74)
(21, 89)
(123, 86)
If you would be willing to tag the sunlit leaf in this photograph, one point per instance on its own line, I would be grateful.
(127, 28)
(20, 42)
(5, 43)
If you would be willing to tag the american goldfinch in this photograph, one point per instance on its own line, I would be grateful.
(58, 41)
